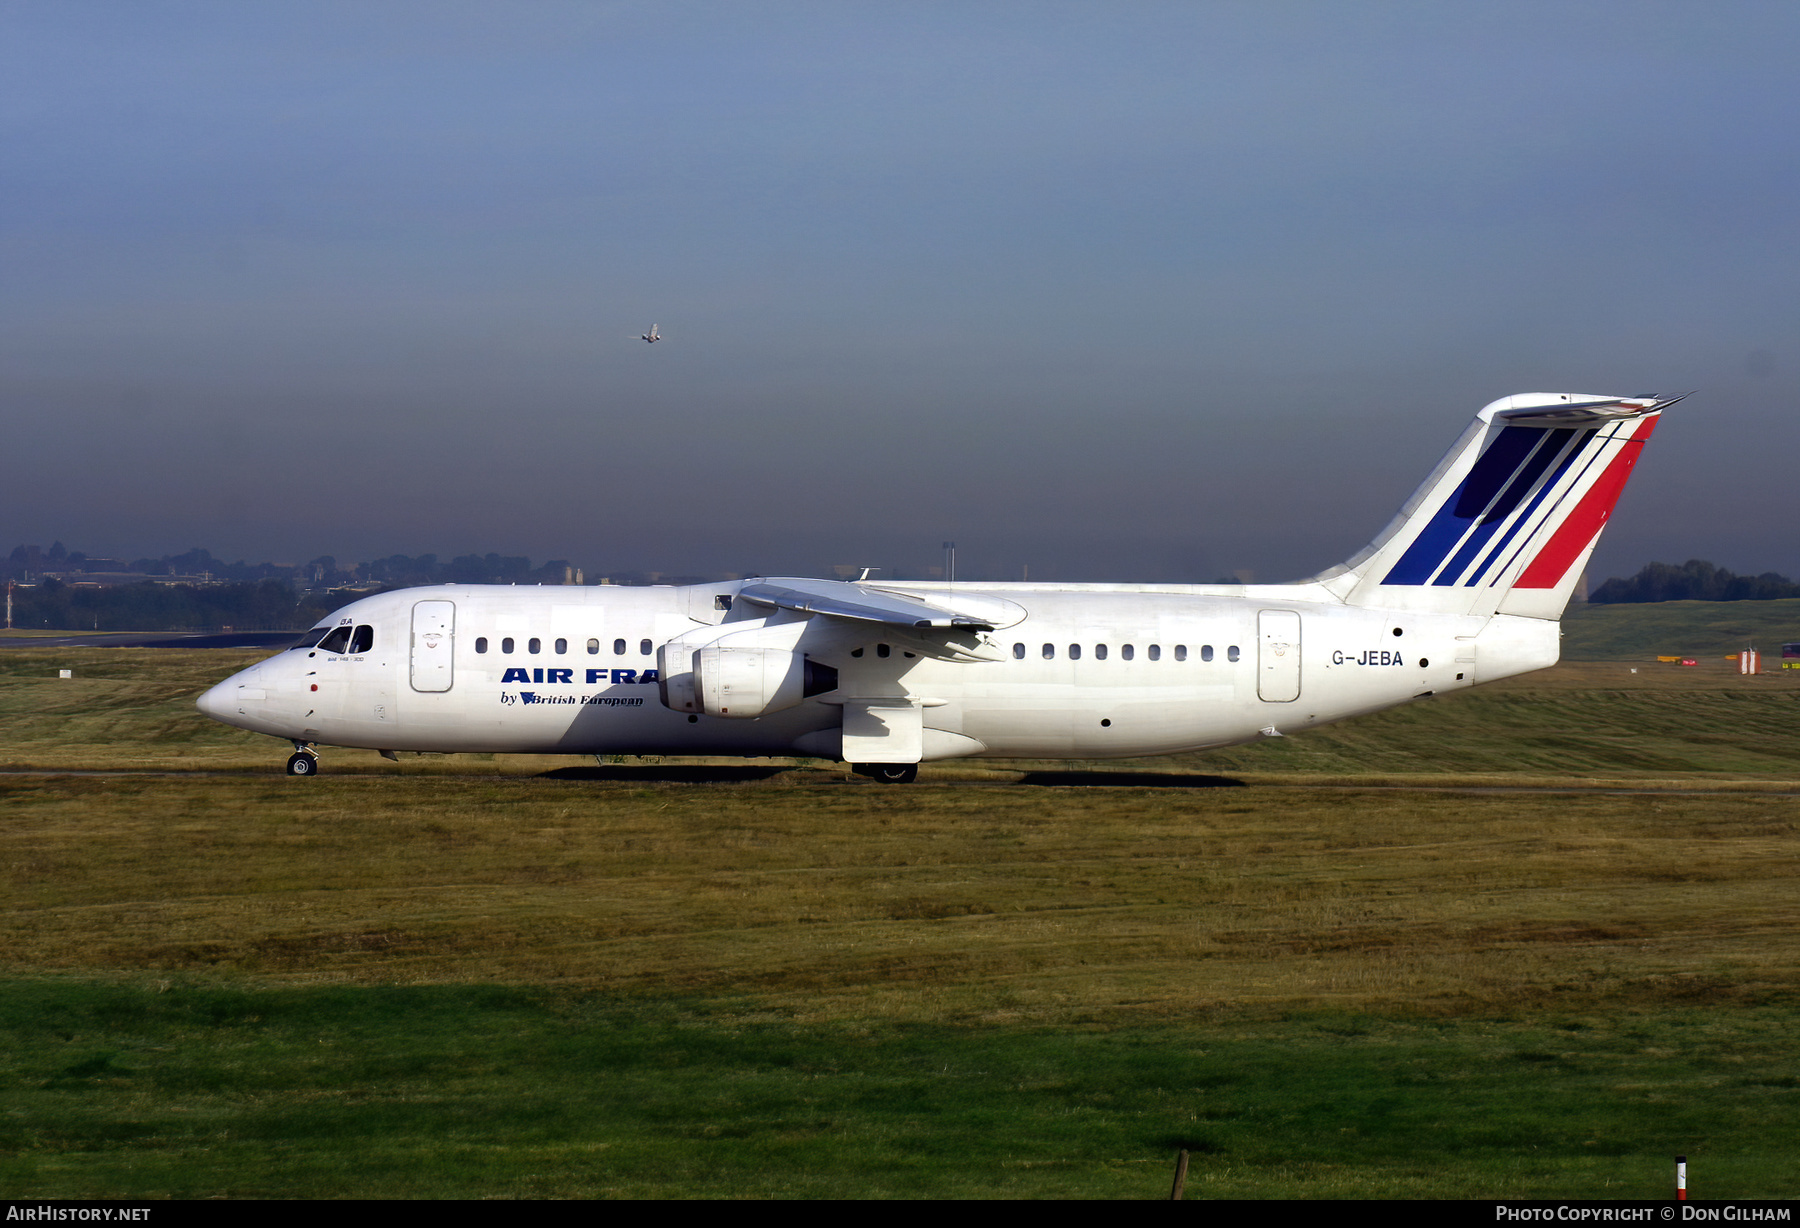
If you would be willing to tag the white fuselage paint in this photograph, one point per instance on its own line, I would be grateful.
(1303, 658)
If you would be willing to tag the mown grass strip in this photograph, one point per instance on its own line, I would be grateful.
(119, 1090)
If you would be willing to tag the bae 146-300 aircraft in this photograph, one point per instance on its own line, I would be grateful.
(1465, 585)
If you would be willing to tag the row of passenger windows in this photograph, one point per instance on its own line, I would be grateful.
(351, 641)
(1127, 652)
(534, 646)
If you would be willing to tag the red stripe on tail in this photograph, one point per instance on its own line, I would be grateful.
(1584, 523)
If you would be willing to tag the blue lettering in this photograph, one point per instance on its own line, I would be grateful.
(537, 675)
(624, 675)
(648, 675)
(516, 675)
(596, 675)
(562, 675)
(527, 696)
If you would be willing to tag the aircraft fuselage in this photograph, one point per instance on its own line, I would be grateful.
(1099, 671)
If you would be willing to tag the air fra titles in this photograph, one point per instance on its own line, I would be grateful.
(1372, 656)
(595, 677)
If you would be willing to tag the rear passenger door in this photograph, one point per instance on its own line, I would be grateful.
(1278, 656)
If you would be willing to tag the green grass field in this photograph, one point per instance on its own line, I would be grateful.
(523, 977)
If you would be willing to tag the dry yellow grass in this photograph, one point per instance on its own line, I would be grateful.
(828, 900)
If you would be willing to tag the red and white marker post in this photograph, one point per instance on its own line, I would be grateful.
(1680, 1178)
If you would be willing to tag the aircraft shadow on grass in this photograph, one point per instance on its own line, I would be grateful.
(688, 774)
(1131, 780)
(674, 774)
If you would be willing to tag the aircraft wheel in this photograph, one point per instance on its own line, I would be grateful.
(889, 773)
(299, 764)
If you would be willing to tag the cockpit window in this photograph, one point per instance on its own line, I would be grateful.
(363, 640)
(336, 641)
(311, 638)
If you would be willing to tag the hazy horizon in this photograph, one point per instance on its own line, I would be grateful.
(1151, 292)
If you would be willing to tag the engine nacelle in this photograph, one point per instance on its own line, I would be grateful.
(748, 682)
(740, 674)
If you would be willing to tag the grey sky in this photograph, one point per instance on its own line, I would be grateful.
(1152, 291)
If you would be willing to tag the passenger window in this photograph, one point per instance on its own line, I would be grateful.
(337, 641)
(1099, 652)
(1156, 652)
(1231, 654)
(1206, 652)
(882, 650)
(481, 643)
(1074, 652)
(1181, 652)
(562, 646)
(1125, 650)
(506, 645)
(362, 641)
(1049, 652)
(643, 648)
(618, 648)
(593, 648)
(1018, 652)
(535, 646)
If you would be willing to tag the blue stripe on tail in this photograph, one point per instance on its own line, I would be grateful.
(1486, 480)
(1548, 450)
(1581, 442)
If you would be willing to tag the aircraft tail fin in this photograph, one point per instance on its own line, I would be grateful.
(1507, 520)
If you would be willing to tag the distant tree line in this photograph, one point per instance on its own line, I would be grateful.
(55, 593)
(1694, 580)
(29, 564)
(267, 605)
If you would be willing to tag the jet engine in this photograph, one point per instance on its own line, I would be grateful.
(741, 674)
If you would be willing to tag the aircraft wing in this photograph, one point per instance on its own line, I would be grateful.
(913, 623)
(837, 599)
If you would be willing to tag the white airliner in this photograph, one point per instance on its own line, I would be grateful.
(1465, 585)
(651, 336)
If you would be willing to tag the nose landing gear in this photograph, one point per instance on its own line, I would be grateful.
(303, 762)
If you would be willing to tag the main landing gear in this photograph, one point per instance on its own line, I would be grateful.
(303, 762)
(888, 773)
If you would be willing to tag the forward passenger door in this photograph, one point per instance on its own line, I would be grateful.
(433, 645)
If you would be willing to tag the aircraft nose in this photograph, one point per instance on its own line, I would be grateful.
(215, 701)
(226, 701)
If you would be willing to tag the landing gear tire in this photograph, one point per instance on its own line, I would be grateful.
(302, 764)
(888, 773)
